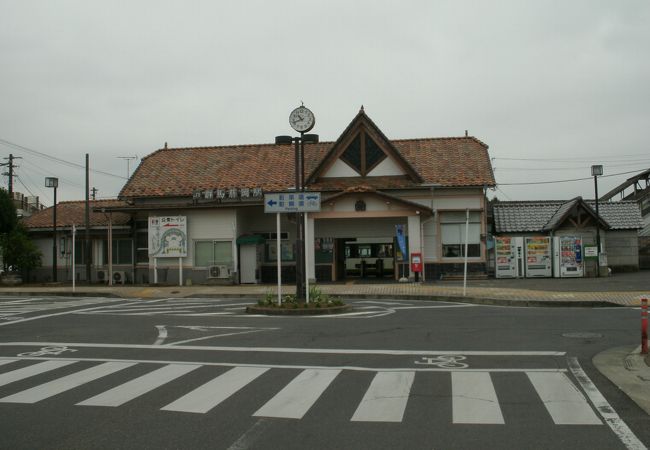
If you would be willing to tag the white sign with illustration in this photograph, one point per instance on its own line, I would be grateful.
(168, 237)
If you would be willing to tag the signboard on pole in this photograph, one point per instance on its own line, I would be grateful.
(168, 237)
(291, 202)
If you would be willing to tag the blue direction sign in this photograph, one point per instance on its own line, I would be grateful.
(288, 202)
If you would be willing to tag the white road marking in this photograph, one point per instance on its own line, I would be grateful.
(474, 399)
(139, 386)
(299, 395)
(247, 440)
(562, 399)
(30, 371)
(65, 383)
(340, 351)
(162, 334)
(377, 302)
(75, 311)
(206, 397)
(206, 314)
(294, 366)
(213, 336)
(386, 398)
(612, 419)
(7, 361)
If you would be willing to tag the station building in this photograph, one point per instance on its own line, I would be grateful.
(372, 189)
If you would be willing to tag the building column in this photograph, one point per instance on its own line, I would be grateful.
(311, 255)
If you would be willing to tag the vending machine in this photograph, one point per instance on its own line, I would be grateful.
(538, 256)
(509, 257)
(568, 257)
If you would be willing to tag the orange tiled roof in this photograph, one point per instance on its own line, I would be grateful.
(74, 212)
(177, 172)
(462, 161)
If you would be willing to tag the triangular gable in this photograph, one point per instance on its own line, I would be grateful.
(363, 150)
(571, 208)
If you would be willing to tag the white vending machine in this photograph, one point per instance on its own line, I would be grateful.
(509, 257)
(568, 257)
(538, 256)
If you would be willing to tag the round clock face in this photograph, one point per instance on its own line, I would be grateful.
(302, 119)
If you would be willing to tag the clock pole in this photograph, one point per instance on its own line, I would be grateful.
(302, 120)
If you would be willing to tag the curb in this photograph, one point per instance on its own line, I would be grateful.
(298, 311)
(488, 301)
(625, 367)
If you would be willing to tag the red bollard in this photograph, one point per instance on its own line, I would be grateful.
(644, 326)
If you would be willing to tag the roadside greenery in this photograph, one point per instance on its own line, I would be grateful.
(317, 299)
(17, 252)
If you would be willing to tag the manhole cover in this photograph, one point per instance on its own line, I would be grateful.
(582, 335)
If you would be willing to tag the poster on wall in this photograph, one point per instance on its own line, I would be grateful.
(402, 254)
(168, 237)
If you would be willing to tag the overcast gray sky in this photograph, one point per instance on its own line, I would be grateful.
(554, 85)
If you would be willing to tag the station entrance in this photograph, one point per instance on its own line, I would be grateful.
(366, 258)
(349, 249)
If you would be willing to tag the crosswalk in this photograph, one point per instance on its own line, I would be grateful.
(474, 399)
(180, 307)
(14, 308)
(234, 307)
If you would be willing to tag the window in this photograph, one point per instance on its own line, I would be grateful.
(363, 154)
(80, 251)
(212, 253)
(286, 247)
(452, 226)
(142, 247)
(122, 251)
(352, 154)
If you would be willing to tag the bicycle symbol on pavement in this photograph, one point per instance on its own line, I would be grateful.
(444, 361)
(54, 350)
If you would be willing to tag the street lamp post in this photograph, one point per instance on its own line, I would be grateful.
(597, 170)
(53, 183)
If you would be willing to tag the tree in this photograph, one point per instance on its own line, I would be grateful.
(8, 216)
(19, 253)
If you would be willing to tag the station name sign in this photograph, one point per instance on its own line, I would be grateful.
(233, 194)
(290, 202)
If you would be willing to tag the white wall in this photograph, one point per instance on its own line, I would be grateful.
(340, 169)
(430, 239)
(387, 167)
(346, 228)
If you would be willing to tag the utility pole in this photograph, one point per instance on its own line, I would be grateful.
(88, 242)
(94, 191)
(10, 172)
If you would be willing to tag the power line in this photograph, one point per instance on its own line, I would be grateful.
(566, 181)
(26, 188)
(55, 159)
(38, 169)
(574, 159)
(565, 168)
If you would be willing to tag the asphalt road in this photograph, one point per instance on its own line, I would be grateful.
(79, 373)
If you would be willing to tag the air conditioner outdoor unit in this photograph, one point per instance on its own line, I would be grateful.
(218, 271)
(102, 276)
(119, 276)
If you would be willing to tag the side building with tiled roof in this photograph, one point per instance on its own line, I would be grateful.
(372, 190)
(71, 214)
(574, 221)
